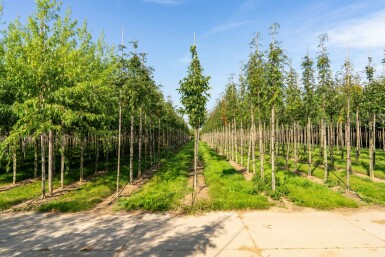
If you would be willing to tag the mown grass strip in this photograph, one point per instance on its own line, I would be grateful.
(164, 191)
(227, 187)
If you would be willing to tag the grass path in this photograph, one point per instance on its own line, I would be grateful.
(227, 187)
(166, 188)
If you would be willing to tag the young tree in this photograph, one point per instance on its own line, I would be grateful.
(274, 86)
(308, 83)
(347, 87)
(293, 106)
(324, 84)
(193, 89)
(256, 86)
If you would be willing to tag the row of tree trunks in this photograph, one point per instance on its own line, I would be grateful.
(232, 141)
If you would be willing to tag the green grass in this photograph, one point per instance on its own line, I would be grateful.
(297, 189)
(309, 194)
(166, 188)
(19, 194)
(90, 194)
(32, 190)
(227, 187)
(84, 197)
(371, 192)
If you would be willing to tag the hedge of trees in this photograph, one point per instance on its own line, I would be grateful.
(276, 110)
(64, 94)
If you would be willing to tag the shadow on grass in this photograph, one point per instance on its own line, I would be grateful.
(229, 172)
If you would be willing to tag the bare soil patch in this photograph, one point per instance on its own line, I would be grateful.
(247, 175)
(378, 180)
(201, 191)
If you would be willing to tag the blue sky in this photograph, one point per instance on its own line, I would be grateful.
(224, 29)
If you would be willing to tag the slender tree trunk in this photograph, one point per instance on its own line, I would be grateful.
(308, 146)
(348, 160)
(231, 130)
(253, 139)
(357, 136)
(295, 129)
(287, 146)
(196, 144)
(321, 138)
(145, 133)
(383, 136)
(43, 165)
(236, 141)
(36, 162)
(96, 153)
(14, 162)
(140, 145)
(159, 139)
(249, 149)
(82, 143)
(50, 162)
(261, 149)
(21, 155)
(272, 147)
(150, 141)
(371, 150)
(119, 146)
(324, 142)
(331, 142)
(241, 138)
(374, 139)
(62, 160)
(132, 150)
(366, 137)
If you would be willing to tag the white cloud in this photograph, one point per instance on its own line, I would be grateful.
(165, 2)
(225, 27)
(362, 33)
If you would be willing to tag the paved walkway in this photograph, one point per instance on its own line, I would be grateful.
(259, 233)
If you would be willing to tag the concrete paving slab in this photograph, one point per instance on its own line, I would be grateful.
(372, 222)
(310, 229)
(206, 234)
(259, 233)
(363, 252)
(58, 253)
